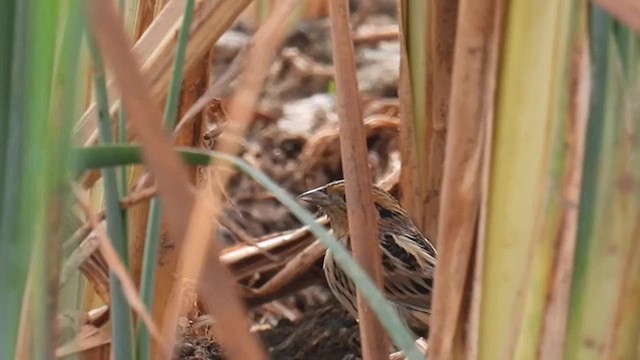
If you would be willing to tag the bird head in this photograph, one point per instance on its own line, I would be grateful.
(331, 200)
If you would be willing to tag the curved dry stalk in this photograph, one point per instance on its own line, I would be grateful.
(301, 263)
(324, 140)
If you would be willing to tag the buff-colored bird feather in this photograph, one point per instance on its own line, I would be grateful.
(408, 258)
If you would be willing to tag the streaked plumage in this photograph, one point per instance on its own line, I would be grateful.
(408, 258)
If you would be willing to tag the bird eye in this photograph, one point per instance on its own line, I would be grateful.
(384, 212)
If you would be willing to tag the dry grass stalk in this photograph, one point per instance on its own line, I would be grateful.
(425, 70)
(261, 53)
(117, 267)
(96, 270)
(277, 244)
(524, 213)
(156, 49)
(315, 9)
(386, 33)
(301, 263)
(297, 252)
(473, 334)
(440, 46)
(247, 262)
(215, 90)
(159, 156)
(82, 245)
(244, 261)
(263, 49)
(145, 17)
(88, 343)
(128, 201)
(555, 321)
(232, 325)
(158, 7)
(243, 237)
(413, 167)
(362, 218)
(193, 85)
(470, 112)
(326, 140)
(144, 117)
(169, 171)
(148, 41)
(93, 339)
(78, 257)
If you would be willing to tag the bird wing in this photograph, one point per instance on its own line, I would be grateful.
(409, 262)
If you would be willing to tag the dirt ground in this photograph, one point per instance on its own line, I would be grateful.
(294, 139)
(326, 332)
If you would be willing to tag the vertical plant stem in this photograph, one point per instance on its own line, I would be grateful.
(171, 109)
(604, 312)
(122, 343)
(15, 247)
(527, 171)
(425, 81)
(363, 228)
(555, 319)
(42, 147)
(442, 19)
(122, 133)
(148, 279)
(195, 264)
(152, 242)
(62, 111)
(413, 96)
(471, 112)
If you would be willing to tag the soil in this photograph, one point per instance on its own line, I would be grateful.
(198, 348)
(325, 332)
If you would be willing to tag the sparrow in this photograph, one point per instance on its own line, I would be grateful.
(408, 258)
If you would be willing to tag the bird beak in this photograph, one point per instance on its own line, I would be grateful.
(316, 197)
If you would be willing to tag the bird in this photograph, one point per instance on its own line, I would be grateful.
(408, 258)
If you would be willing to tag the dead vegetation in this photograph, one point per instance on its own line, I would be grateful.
(293, 137)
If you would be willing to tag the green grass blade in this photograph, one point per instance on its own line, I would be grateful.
(528, 164)
(97, 157)
(55, 146)
(604, 317)
(171, 109)
(148, 274)
(122, 343)
(7, 19)
(41, 41)
(14, 250)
